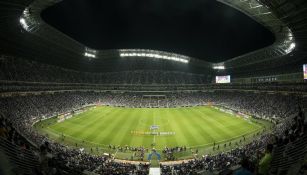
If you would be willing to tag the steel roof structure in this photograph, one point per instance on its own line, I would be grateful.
(23, 33)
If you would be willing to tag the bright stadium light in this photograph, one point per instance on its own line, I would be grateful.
(289, 43)
(28, 22)
(22, 21)
(155, 55)
(219, 67)
(24, 24)
(290, 36)
(89, 55)
(290, 48)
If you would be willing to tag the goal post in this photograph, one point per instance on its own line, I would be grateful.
(153, 100)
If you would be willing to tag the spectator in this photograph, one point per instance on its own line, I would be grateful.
(245, 168)
(265, 162)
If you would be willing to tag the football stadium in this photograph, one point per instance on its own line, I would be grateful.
(130, 87)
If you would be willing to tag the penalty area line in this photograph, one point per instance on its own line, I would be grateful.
(154, 119)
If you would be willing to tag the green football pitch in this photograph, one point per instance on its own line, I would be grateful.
(193, 127)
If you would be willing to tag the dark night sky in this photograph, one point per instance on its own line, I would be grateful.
(204, 29)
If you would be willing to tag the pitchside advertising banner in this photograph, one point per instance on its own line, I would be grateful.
(222, 79)
(233, 112)
(305, 71)
(64, 116)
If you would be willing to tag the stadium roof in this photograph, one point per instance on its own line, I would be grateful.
(23, 33)
(198, 28)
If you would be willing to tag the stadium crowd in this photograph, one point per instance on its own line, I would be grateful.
(18, 113)
(16, 69)
(24, 75)
(250, 156)
(261, 104)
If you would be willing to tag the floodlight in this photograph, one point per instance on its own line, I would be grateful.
(24, 24)
(290, 48)
(89, 55)
(154, 54)
(219, 67)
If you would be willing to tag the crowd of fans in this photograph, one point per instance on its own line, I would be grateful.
(260, 104)
(15, 69)
(169, 151)
(20, 75)
(17, 86)
(254, 157)
(20, 112)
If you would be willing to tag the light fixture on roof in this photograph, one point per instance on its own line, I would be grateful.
(219, 67)
(90, 53)
(153, 54)
(28, 22)
(290, 48)
(24, 24)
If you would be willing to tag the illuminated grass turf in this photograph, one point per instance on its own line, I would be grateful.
(193, 127)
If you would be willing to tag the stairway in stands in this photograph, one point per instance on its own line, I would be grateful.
(154, 167)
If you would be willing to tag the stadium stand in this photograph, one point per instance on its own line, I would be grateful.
(21, 111)
(21, 70)
(23, 75)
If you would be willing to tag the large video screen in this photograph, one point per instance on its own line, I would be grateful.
(222, 79)
(305, 71)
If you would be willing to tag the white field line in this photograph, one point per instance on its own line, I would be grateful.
(230, 139)
(154, 138)
(75, 138)
(78, 139)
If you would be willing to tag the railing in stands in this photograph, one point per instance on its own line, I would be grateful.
(23, 161)
(287, 155)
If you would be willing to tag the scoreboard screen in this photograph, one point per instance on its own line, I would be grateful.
(305, 71)
(222, 79)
